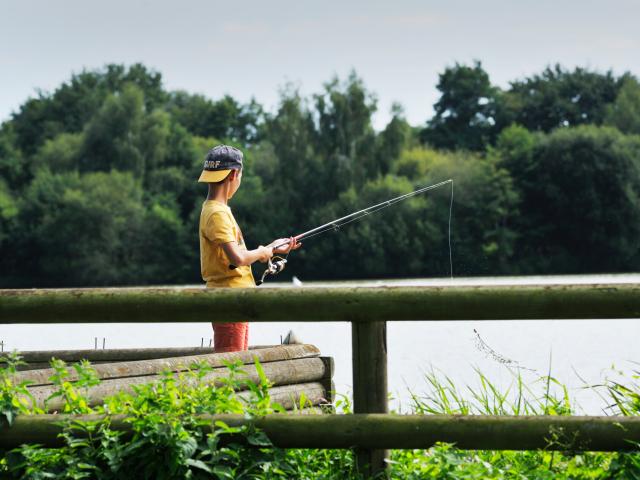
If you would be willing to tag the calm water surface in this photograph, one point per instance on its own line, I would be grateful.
(576, 352)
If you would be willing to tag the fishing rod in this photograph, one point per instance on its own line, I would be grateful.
(335, 224)
(276, 264)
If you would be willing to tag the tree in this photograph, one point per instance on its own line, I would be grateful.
(294, 173)
(414, 163)
(560, 98)
(167, 250)
(514, 151)
(411, 238)
(624, 112)
(226, 119)
(124, 136)
(99, 178)
(469, 113)
(74, 103)
(8, 211)
(374, 246)
(484, 209)
(61, 153)
(8, 224)
(12, 166)
(580, 191)
(392, 140)
(93, 229)
(112, 135)
(345, 138)
(75, 230)
(193, 112)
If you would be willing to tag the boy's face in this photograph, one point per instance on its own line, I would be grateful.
(235, 178)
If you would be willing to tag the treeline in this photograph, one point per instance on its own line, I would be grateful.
(98, 178)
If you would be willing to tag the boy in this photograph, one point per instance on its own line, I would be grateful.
(221, 242)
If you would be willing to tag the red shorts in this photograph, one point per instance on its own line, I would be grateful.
(230, 337)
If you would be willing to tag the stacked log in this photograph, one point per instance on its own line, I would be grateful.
(294, 372)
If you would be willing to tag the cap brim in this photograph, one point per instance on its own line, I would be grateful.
(209, 176)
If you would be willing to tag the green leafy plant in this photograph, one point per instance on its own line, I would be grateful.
(167, 439)
(14, 399)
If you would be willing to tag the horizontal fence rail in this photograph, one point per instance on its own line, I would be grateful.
(381, 431)
(370, 431)
(357, 304)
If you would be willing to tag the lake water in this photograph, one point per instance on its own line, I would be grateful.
(576, 352)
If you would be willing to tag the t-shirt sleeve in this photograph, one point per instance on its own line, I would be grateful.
(219, 228)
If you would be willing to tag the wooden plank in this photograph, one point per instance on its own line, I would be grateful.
(573, 433)
(291, 396)
(111, 354)
(370, 392)
(355, 304)
(286, 372)
(43, 357)
(155, 366)
(327, 380)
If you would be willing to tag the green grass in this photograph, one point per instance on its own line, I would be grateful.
(167, 443)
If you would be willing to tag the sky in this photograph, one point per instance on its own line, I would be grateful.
(254, 48)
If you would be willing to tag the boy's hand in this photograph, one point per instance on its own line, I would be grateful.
(289, 244)
(265, 253)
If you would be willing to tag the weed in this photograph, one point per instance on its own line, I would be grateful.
(167, 440)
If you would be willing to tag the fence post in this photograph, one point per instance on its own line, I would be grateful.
(369, 351)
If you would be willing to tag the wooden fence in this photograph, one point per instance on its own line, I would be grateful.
(371, 430)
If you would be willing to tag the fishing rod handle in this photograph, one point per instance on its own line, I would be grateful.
(296, 238)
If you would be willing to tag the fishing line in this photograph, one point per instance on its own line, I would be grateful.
(341, 222)
(450, 254)
(277, 264)
(482, 346)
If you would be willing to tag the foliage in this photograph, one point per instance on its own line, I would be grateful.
(118, 239)
(560, 98)
(580, 191)
(624, 112)
(8, 212)
(225, 118)
(345, 136)
(74, 103)
(12, 168)
(288, 162)
(546, 396)
(14, 399)
(418, 230)
(471, 112)
(468, 113)
(167, 441)
(98, 178)
(392, 140)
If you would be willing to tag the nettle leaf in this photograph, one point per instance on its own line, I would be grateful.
(259, 439)
(189, 446)
(224, 472)
(198, 464)
(9, 415)
(260, 370)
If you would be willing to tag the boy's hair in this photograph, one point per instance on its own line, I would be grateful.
(219, 162)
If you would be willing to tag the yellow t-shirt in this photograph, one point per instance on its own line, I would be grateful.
(217, 226)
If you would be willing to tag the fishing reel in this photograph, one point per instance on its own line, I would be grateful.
(275, 265)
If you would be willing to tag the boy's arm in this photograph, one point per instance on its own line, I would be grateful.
(240, 256)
